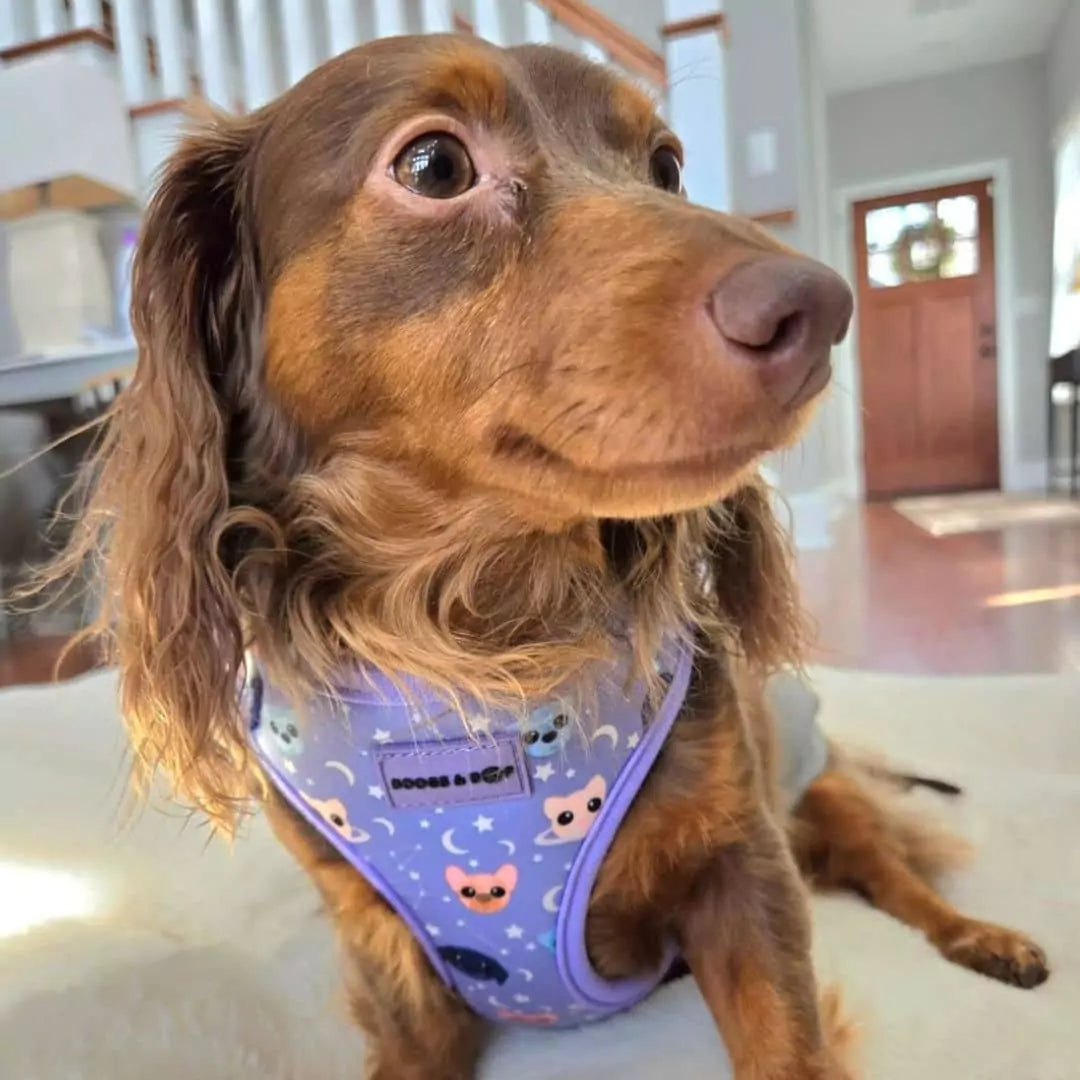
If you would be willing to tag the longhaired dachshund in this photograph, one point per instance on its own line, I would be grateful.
(431, 520)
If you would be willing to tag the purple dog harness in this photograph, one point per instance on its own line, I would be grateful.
(487, 846)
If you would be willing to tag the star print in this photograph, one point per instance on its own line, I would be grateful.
(566, 866)
(521, 999)
(311, 783)
(515, 932)
(432, 930)
(538, 858)
(531, 947)
(480, 725)
(419, 847)
(446, 899)
(288, 766)
(414, 876)
(438, 809)
(473, 864)
(544, 772)
(461, 922)
(504, 952)
(376, 792)
(571, 773)
(425, 824)
(381, 736)
(633, 740)
(483, 824)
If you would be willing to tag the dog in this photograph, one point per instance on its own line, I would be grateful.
(850, 830)
(447, 414)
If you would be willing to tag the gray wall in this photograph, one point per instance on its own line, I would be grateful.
(1063, 66)
(1000, 111)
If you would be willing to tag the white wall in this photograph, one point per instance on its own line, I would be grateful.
(978, 115)
(1063, 67)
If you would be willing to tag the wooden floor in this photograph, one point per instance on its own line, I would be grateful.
(885, 597)
(890, 597)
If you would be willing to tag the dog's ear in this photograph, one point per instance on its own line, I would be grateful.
(456, 878)
(159, 511)
(751, 566)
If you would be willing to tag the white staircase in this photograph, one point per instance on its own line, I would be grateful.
(240, 54)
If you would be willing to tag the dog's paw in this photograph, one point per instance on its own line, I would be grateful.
(1003, 954)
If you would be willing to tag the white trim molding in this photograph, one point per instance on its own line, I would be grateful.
(1015, 475)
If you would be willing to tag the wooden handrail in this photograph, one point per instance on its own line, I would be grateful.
(682, 27)
(581, 18)
(57, 41)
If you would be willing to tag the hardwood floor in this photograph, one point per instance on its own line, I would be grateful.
(885, 597)
(890, 597)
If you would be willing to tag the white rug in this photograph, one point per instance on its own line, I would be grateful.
(985, 511)
(198, 962)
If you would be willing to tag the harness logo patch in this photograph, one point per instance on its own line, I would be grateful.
(454, 772)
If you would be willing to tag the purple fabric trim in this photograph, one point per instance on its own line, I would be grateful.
(572, 958)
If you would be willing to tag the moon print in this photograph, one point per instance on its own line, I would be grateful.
(493, 1000)
(385, 823)
(344, 770)
(528, 975)
(510, 846)
(448, 844)
(607, 731)
(551, 899)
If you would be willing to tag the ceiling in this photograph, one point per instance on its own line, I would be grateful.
(872, 42)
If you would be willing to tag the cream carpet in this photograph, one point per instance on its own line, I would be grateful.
(983, 511)
(182, 960)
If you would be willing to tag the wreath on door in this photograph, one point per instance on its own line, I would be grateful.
(923, 250)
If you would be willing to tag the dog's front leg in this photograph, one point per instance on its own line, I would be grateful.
(745, 935)
(416, 1028)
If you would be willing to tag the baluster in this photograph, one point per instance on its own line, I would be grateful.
(537, 23)
(344, 25)
(256, 52)
(297, 30)
(389, 18)
(489, 23)
(86, 14)
(593, 51)
(172, 55)
(9, 24)
(51, 18)
(437, 16)
(131, 45)
(213, 52)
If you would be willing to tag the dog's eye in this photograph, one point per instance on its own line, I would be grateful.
(666, 170)
(530, 737)
(468, 892)
(497, 891)
(338, 820)
(560, 721)
(550, 736)
(593, 805)
(436, 166)
(565, 817)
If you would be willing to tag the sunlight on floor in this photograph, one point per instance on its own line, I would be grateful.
(33, 895)
(1033, 596)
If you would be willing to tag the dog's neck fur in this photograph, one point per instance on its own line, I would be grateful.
(372, 565)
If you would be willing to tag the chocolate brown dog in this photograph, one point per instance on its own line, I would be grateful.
(442, 377)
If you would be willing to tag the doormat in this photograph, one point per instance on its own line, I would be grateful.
(985, 511)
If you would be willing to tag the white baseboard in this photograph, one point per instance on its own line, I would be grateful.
(810, 515)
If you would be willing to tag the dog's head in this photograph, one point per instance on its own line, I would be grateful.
(440, 297)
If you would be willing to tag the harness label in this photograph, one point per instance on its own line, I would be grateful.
(453, 772)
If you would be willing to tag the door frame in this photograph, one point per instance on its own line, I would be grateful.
(846, 357)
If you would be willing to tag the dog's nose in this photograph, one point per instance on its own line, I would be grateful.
(784, 313)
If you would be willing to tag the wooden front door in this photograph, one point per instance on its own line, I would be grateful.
(928, 340)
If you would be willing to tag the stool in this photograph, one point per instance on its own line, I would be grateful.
(1063, 371)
